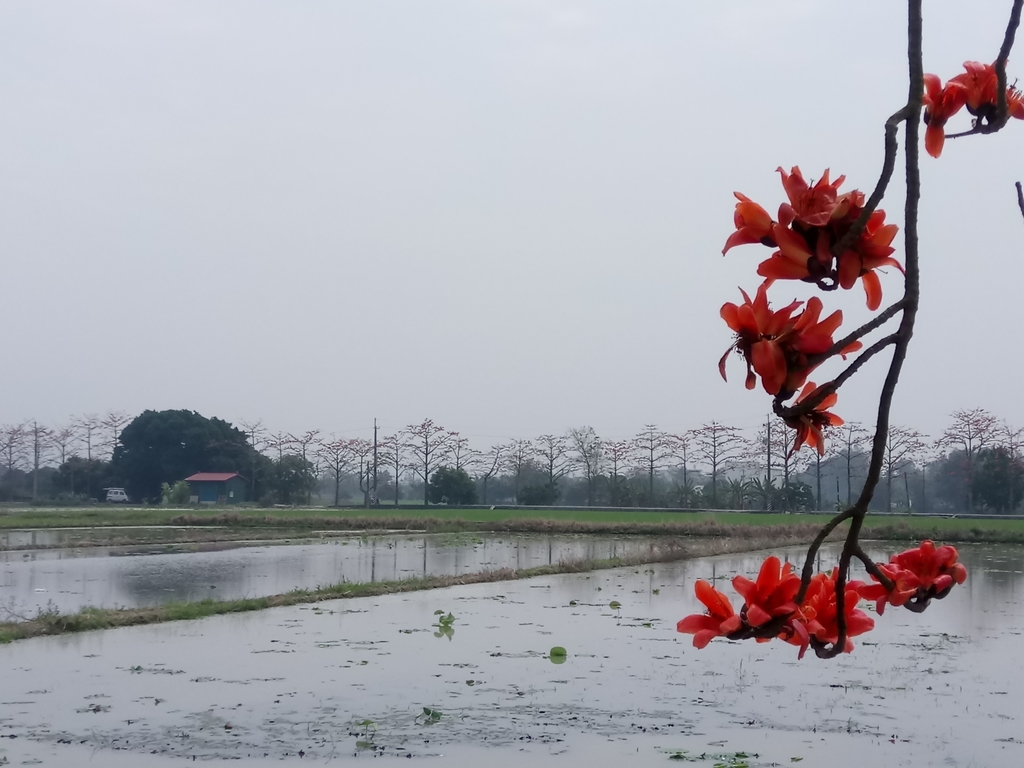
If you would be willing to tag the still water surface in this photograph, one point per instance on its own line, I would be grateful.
(300, 684)
(109, 577)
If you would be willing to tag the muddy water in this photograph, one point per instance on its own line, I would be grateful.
(347, 680)
(69, 579)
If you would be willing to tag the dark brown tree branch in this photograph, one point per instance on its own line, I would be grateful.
(812, 551)
(856, 335)
(1020, 198)
(872, 567)
(888, 166)
(809, 404)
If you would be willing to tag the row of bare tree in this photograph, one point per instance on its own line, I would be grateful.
(715, 450)
(29, 445)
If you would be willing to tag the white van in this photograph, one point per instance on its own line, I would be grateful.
(117, 496)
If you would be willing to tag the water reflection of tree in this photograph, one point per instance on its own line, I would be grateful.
(161, 579)
(999, 568)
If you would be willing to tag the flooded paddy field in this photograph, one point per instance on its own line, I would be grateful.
(390, 677)
(139, 576)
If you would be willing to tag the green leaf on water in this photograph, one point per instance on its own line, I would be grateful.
(439, 613)
(615, 605)
(656, 591)
(558, 655)
(431, 715)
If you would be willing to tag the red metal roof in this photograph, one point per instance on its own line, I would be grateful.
(211, 477)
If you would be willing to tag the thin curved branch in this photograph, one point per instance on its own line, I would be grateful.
(888, 166)
(812, 552)
(1004, 55)
(809, 404)
(872, 567)
(906, 330)
(856, 335)
(863, 357)
(1020, 198)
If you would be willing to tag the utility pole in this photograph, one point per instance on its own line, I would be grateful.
(374, 493)
(36, 449)
(817, 466)
(768, 463)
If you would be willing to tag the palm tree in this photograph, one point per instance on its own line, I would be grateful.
(737, 492)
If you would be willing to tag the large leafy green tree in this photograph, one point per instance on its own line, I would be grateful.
(83, 477)
(998, 480)
(452, 486)
(291, 480)
(167, 446)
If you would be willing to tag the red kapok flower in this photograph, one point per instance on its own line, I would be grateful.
(808, 205)
(753, 224)
(808, 427)
(758, 332)
(775, 344)
(771, 595)
(905, 587)
(935, 566)
(819, 614)
(981, 85)
(940, 104)
(793, 261)
(923, 573)
(871, 251)
(1015, 102)
(719, 620)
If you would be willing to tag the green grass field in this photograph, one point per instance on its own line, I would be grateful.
(41, 517)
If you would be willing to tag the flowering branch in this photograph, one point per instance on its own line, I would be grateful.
(994, 120)
(832, 240)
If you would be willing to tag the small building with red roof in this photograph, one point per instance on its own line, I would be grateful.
(216, 488)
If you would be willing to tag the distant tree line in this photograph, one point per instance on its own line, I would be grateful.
(974, 465)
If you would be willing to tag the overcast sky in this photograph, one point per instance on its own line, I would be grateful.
(505, 216)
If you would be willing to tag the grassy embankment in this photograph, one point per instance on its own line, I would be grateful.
(234, 523)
